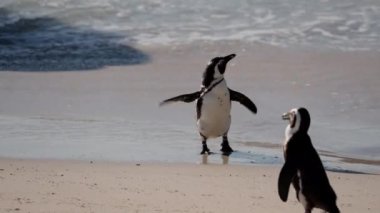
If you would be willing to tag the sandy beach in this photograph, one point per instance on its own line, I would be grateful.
(81, 129)
(79, 186)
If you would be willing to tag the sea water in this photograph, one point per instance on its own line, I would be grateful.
(339, 24)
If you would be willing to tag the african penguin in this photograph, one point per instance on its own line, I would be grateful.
(213, 103)
(303, 167)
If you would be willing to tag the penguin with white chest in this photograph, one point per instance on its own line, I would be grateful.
(213, 103)
(303, 167)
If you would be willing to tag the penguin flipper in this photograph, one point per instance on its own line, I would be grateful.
(289, 170)
(184, 98)
(285, 178)
(242, 99)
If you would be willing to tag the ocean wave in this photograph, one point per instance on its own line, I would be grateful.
(342, 24)
(47, 44)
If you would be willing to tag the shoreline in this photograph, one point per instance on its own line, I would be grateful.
(323, 153)
(77, 186)
(331, 162)
(66, 115)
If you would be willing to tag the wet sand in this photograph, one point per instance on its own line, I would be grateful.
(112, 113)
(78, 186)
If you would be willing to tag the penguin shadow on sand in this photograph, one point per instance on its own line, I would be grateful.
(225, 159)
(238, 156)
(42, 44)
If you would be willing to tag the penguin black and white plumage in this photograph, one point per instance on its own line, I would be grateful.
(213, 103)
(303, 167)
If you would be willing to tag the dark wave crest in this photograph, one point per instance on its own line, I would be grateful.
(46, 44)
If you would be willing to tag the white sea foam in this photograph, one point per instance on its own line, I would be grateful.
(338, 24)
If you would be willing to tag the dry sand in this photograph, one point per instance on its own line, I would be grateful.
(77, 186)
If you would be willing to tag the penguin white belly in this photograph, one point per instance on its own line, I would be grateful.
(288, 136)
(215, 116)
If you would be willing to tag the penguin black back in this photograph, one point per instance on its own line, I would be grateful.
(303, 167)
(305, 120)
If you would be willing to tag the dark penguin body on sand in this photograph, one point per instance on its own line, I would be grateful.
(303, 167)
(213, 103)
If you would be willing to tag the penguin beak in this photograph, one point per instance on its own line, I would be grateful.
(286, 116)
(229, 57)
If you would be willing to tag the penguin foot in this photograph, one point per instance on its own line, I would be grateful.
(205, 150)
(226, 149)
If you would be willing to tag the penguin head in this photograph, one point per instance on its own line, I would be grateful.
(215, 69)
(299, 120)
